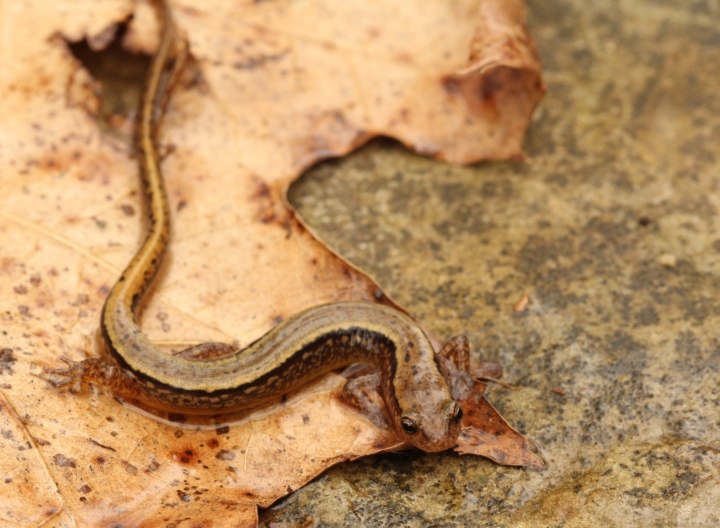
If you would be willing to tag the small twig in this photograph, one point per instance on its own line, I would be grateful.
(501, 383)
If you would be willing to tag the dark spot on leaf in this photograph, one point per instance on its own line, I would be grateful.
(177, 417)
(62, 461)
(222, 430)
(7, 358)
(185, 497)
(224, 454)
(129, 210)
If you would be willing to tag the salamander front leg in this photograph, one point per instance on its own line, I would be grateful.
(362, 393)
(457, 351)
(454, 363)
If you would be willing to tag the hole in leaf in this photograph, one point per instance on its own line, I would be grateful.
(120, 75)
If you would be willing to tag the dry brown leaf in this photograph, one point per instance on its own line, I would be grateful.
(281, 86)
(486, 433)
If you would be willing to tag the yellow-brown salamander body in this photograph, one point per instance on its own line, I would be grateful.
(418, 401)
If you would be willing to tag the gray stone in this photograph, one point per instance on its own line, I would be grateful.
(611, 228)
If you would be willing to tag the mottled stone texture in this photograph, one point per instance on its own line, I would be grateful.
(612, 228)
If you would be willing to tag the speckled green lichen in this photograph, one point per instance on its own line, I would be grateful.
(612, 229)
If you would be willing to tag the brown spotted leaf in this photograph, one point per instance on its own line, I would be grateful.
(486, 433)
(273, 87)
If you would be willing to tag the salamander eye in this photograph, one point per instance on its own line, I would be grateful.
(457, 414)
(409, 425)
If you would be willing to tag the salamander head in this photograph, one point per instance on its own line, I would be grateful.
(433, 427)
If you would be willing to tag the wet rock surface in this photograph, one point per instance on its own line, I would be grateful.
(611, 228)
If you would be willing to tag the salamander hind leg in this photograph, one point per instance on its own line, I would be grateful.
(93, 370)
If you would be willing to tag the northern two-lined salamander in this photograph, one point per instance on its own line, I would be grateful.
(413, 381)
